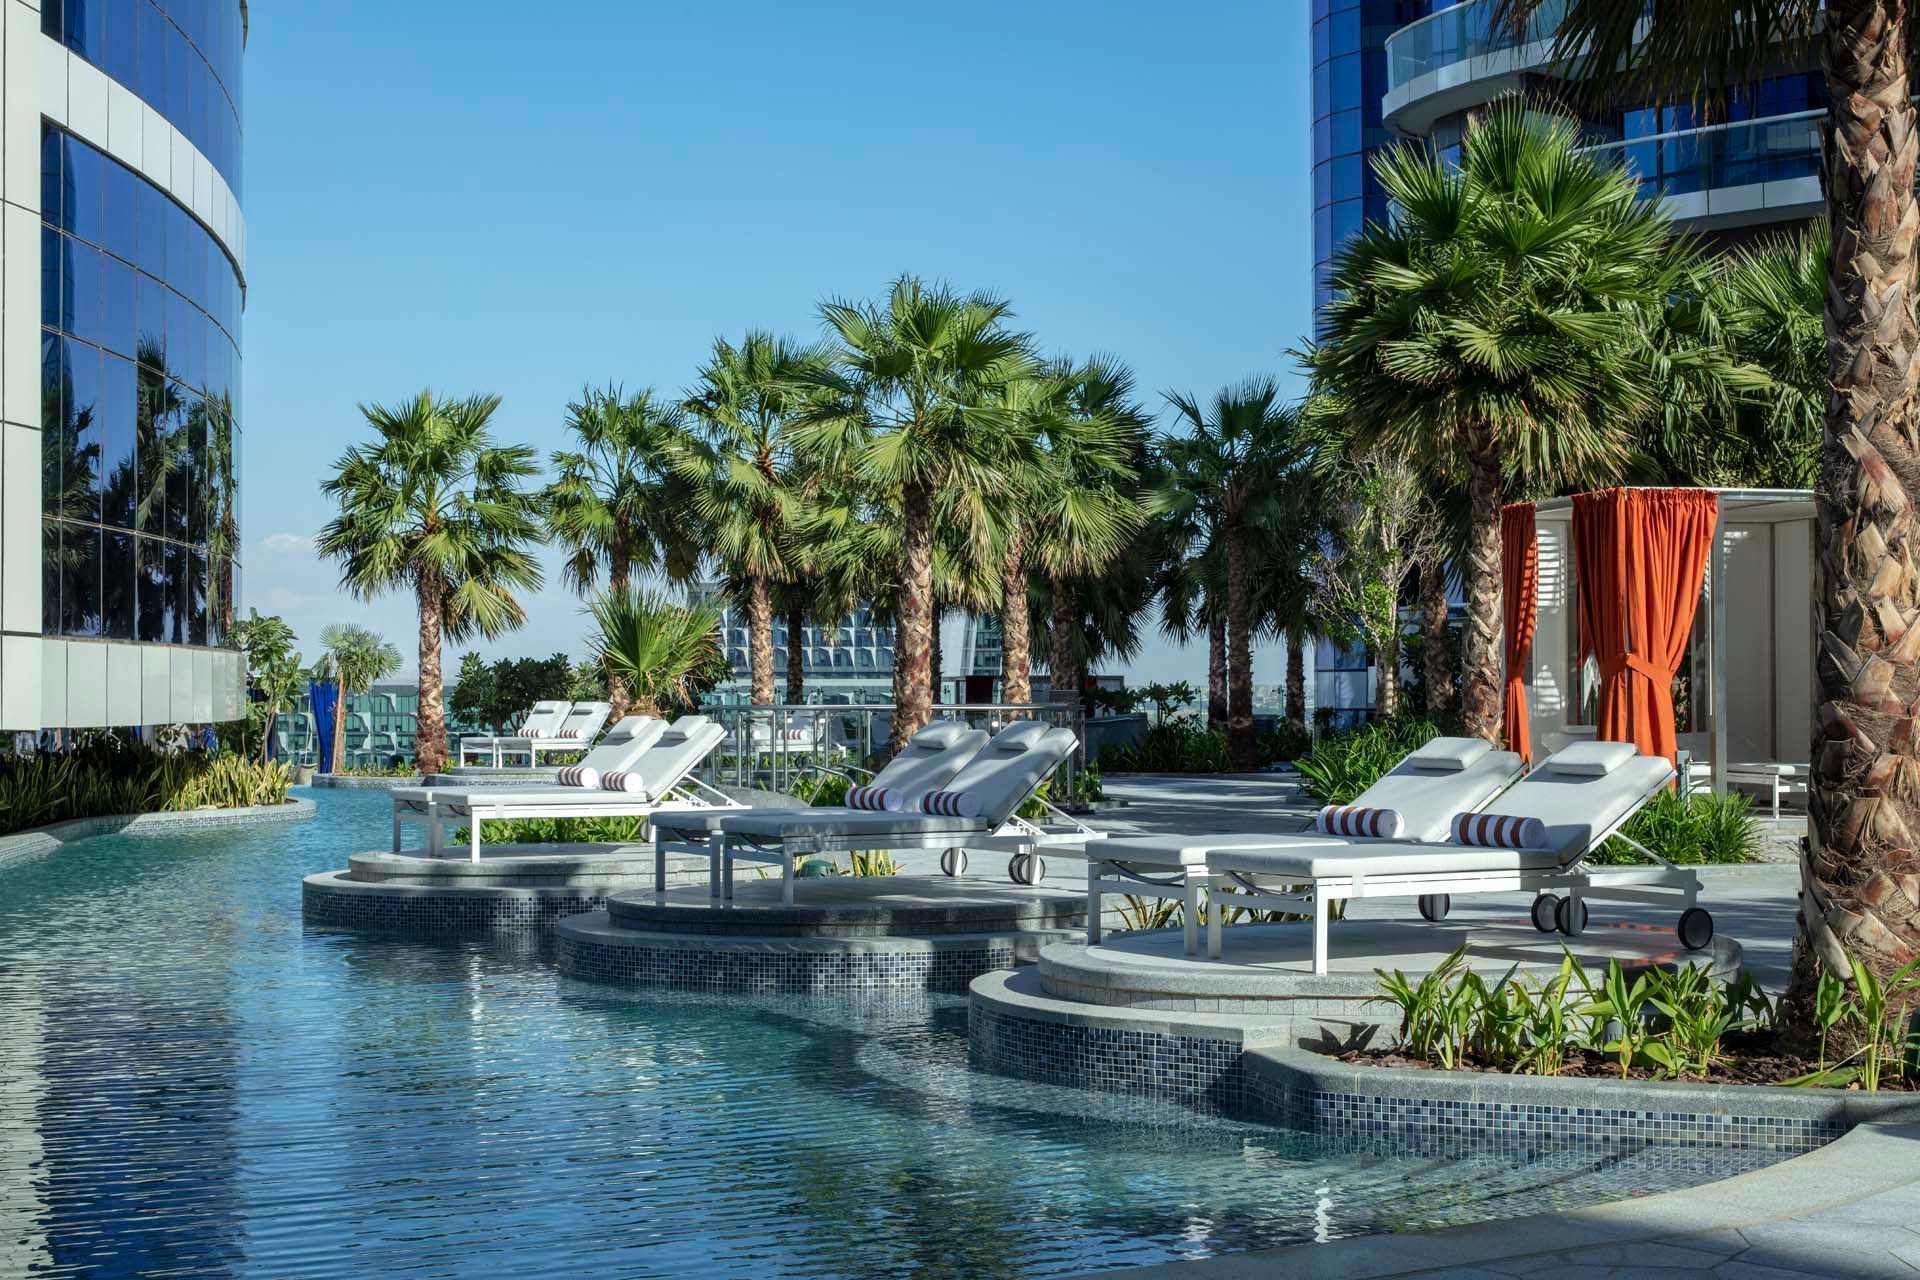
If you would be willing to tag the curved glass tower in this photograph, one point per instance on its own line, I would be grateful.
(120, 390)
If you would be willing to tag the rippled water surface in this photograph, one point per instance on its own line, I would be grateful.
(194, 1084)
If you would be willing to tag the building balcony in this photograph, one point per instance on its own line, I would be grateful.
(1458, 58)
(1731, 175)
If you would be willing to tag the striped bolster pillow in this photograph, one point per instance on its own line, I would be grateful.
(951, 804)
(1499, 831)
(579, 775)
(876, 798)
(571, 733)
(1359, 820)
(621, 780)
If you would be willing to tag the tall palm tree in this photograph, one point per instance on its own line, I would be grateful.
(1488, 328)
(1230, 466)
(1866, 598)
(355, 658)
(743, 472)
(616, 502)
(911, 401)
(666, 654)
(434, 505)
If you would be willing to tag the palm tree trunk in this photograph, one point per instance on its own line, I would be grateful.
(1297, 678)
(1858, 891)
(913, 611)
(1217, 671)
(430, 731)
(1436, 674)
(933, 652)
(338, 760)
(1016, 628)
(1386, 652)
(618, 700)
(1239, 656)
(796, 656)
(1480, 649)
(760, 639)
(1063, 670)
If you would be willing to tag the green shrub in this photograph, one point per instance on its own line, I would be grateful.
(609, 830)
(106, 777)
(1705, 829)
(1176, 746)
(1340, 767)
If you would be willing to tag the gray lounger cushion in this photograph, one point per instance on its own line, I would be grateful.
(1448, 755)
(1592, 759)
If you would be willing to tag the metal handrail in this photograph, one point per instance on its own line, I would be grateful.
(1542, 26)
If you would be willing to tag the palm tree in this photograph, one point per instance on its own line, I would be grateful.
(666, 654)
(1866, 597)
(1488, 328)
(355, 658)
(911, 401)
(742, 469)
(433, 504)
(1229, 469)
(617, 502)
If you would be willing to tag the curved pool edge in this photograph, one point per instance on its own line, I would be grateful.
(1814, 1200)
(48, 839)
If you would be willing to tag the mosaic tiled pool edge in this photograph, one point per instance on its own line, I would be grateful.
(330, 899)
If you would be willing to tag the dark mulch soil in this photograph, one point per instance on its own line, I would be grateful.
(1750, 1058)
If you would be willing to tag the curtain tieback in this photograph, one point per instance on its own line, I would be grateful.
(1634, 662)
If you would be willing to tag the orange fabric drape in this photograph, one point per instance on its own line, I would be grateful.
(1641, 557)
(1520, 593)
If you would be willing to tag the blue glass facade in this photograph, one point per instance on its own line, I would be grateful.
(1349, 78)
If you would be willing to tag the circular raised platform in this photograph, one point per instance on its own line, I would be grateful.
(854, 907)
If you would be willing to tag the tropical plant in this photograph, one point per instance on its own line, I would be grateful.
(356, 658)
(1695, 829)
(1232, 469)
(911, 404)
(1338, 768)
(617, 502)
(106, 776)
(434, 505)
(273, 672)
(497, 694)
(1866, 595)
(667, 654)
(1491, 328)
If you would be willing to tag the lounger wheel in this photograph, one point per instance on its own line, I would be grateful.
(1570, 917)
(953, 861)
(1546, 910)
(1696, 928)
(1027, 868)
(1434, 906)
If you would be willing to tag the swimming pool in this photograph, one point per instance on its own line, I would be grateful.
(193, 1083)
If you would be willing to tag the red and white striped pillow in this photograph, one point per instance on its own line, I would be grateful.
(952, 804)
(1499, 831)
(579, 775)
(1360, 820)
(873, 798)
(622, 780)
(571, 733)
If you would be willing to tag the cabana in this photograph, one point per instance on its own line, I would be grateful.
(1743, 698)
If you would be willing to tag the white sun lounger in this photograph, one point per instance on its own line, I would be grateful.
(544, 720)
(1582, 795)
(665, 770)
(928, 762)
(1429, 787)
(582, 725)
(1001, 777)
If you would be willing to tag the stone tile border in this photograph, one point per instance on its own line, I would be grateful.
(1846, 1209)
(48, 839)
(362, 782)
(331, 899)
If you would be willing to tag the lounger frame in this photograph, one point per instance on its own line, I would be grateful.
(473, 808)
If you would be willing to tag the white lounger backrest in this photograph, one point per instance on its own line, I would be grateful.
(1585, 791)
(543, 721)
(675, 754)
(582, 722)
(1432, 784)
(930, 759)
(624, 744)
(1012, 764)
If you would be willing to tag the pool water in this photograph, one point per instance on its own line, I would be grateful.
(193, 1083)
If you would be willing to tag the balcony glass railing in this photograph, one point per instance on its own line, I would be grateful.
(1463, 31)
(1725, 155)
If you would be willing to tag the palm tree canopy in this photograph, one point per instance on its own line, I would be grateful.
(435, 499)
(1077, 492)
(359, 657)
(667, 654)
(616, 501)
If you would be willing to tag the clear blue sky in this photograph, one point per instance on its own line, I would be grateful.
(519, 199)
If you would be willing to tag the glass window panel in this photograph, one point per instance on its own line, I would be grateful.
(155, 596)
(119, 569)
(178, 56)
(152, 231)
(120, 212)
(53, 380)
(118, 323)
(123, 44)
(80, 580)
(53, 18)
(186, 341)
(153, 56)
(181, 498)
(151, 313)
(193, 596)
(78, 439)
(120, 395)
(80, 288)
(80, 193)
(152, 433)
(52, 174)
(51, 251)
(86, 28)
(197, 475)
(50, 575)
(179, 244)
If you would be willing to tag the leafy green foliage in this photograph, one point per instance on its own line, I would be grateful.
(1341, 766)
(1879, 1016)
(608, 830)
(107, 777)
(1700, 829)
(665, 654)
(1183, 745)
(274, 672)
(497, 694)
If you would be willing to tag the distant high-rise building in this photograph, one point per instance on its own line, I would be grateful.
(850, 661)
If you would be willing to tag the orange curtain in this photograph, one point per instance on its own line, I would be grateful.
(1642, 554)
(1520, 592)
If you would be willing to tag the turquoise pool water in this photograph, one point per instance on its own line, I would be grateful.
(194, 1084)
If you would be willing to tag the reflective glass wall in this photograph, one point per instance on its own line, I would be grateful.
(1349, 78)
(140, 361)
